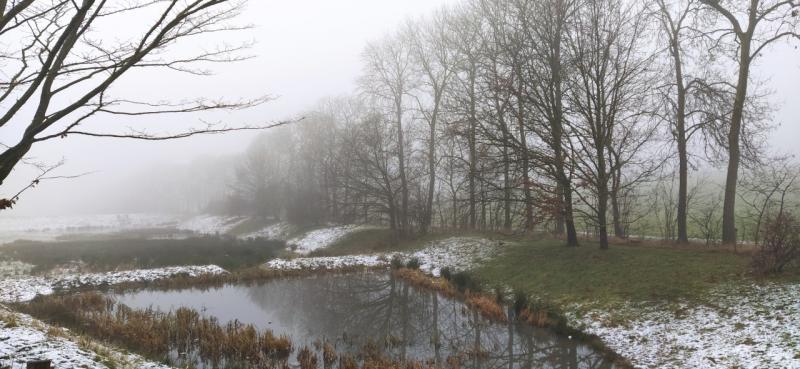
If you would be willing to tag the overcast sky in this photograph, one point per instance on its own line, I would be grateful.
(305, 50)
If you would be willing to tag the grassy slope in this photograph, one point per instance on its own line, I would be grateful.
(374, 240)
(559, 274)
(104, 255)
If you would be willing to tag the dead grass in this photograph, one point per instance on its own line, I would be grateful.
(157, 334)
(420, 279)
(487, 306)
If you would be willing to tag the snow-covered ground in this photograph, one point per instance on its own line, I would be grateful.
(210, 224)
(277, 231)
(29, 339)
(321, 238)
(744, 327)
(457, 253)
(14, 268)
(329, 262)
(26, 288)
(49, 228)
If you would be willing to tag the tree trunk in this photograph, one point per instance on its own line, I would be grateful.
(557, 132)
(729, 206)
(473, 152)
(506, 191)
(426, 223)
(559, 216)
(616, 217)
(616, 213)
(602, 196)
(10, 158)
(602, 222)
(526, 181)
(680, 137)
(401, 156)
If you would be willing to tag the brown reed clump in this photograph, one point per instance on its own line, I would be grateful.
(307, 358)
(420, 279)
(487, 306)
(158, 334)
(454, 361)
(328, 354)
(346, 361)
(539, 317)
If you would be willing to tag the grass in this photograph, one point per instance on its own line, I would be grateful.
(250, 225)
(107, 255)
(551, 272)
(375, 240)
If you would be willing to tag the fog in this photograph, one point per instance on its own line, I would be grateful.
(304, 51)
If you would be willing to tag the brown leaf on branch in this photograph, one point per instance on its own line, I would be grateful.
(6, 204)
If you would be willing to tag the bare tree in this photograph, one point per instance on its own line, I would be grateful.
(543, 26)
(59, 70)
(606, 94)
(434, 61)
(388, 76)
(675, 23)
(463, 99)
(749, 28)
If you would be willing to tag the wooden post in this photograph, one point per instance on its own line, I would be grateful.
(38, 364)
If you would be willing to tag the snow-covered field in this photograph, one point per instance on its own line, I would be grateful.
(26, 288)
(747, 327)
(29, 339)
(457, 253)
(48, 228)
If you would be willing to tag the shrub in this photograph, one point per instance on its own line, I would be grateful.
(413, 263)
(396, 262)
(781, 246)
(466, 282)
(446, 273)
(521, 301)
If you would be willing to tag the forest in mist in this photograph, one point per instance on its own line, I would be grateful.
(599, 118)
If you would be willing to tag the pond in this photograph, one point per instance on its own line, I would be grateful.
(350, 311)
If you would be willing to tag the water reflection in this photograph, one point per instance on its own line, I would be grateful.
(372, 311)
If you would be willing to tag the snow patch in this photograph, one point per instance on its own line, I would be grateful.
(14, 268)
(747, 327)
(456, 253)
(210, 224)
(277, 231)
(328, 262)
(27, 340)
(321, 238)
(25, 289)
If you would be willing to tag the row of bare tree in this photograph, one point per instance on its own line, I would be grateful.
(516, 114)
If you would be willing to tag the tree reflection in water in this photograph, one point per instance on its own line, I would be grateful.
(375, 311)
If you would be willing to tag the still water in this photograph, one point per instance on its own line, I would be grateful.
(353, 310)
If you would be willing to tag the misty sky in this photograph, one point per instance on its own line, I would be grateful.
(305, 50)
